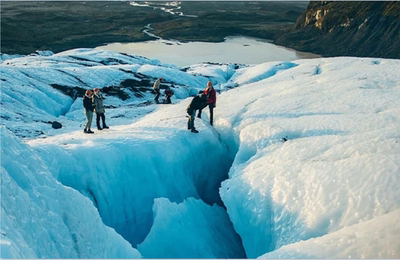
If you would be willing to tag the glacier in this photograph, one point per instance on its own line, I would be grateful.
(375, 238)
(41, 88)
(129, 166)
(303, 160)
(189, 217)
(41, 218)
(318, 150)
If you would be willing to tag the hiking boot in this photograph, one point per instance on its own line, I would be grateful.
(84, 130)
(99, 128)
(89, 131)
(105, 127)
(194, 131)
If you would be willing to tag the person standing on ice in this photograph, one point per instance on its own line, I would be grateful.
(156, 87)
(88, 106)
(99, 109)
(168, 94)
(211, 101)
(198, 102)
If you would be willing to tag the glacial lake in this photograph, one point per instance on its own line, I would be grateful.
(235, 49)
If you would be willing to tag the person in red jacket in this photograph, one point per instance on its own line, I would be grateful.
(211, 100)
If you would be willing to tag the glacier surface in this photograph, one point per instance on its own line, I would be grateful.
(307, 151)
(199, 229)
(41, 218)
(317, 150)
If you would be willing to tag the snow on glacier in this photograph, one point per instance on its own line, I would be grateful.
(193, 225)
(259, 72)
(340, 163)
(31, 99)
(336, 174)
(218, 72)
(375, 238)
(40, 218)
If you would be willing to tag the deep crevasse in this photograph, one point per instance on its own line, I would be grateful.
(124, 169)
(191, 229)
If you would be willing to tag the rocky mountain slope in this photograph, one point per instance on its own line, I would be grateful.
(369, 29)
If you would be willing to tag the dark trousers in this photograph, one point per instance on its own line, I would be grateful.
(192, 116)
(169, 100)
(103, 118)
(211, 107)
(89, 117)
(157, 95)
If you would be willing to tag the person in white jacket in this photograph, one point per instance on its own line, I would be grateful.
(156, 87)
(99, 109)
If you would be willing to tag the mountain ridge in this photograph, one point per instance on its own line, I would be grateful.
(368, 29)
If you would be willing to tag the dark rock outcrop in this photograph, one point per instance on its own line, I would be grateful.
(369, 29)
(56, 125)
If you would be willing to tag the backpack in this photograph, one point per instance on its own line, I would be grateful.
(168, 92)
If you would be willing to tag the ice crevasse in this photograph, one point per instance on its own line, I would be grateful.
(124, 169)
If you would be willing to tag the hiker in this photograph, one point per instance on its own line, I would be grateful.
(198, 102)
(87, 104)
(168, 94)
(99, 109)
(211, 101)
(156, 88)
